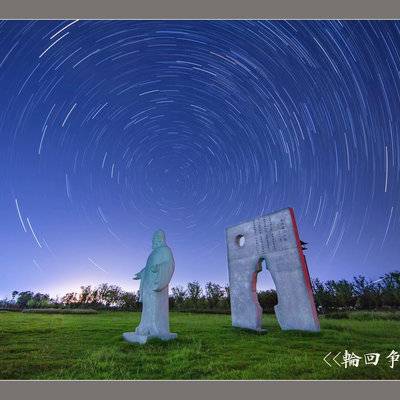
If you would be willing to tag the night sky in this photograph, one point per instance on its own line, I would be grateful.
(112, 129)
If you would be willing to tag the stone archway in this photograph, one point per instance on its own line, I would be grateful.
(274, 238)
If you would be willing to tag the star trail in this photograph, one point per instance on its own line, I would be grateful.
(112, 129)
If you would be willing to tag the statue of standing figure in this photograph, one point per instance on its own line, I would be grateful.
(153, 294)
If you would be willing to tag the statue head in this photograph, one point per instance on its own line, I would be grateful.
(158, 239)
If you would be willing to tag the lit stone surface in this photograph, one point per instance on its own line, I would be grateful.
(154, 280)
(273, 238)
(133, 337)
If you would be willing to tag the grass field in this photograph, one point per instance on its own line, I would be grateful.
(39, 346)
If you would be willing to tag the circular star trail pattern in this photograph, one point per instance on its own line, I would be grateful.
(112, 129)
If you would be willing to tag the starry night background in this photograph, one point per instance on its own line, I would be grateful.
(112, 129)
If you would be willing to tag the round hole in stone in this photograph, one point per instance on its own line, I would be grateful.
(240, 240)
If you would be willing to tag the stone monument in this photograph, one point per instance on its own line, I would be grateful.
(153, 294)
(274, 239)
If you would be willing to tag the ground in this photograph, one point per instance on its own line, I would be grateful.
(40, 346)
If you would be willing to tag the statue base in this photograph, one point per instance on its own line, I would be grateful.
(133, 337)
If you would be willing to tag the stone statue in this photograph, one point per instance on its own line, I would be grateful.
(273, 239)
(153, 294)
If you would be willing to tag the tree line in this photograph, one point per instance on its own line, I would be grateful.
(360, 293)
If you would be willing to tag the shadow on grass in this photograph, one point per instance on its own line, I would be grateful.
(250, 332)
(297, 333)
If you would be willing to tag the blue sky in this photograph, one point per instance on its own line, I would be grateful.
(110, 130)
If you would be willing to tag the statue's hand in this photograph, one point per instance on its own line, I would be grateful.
(137, 276)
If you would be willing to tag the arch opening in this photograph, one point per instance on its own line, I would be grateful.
(266, 292)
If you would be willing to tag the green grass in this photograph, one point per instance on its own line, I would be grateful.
(59, 311)
(39, 346)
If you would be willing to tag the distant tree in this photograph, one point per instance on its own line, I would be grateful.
(69, 299)
(113, 296)
(344, 293)
(227, 297)
(368, 294)
(179, 296)
(7, 304)
(360, 293)
(95, 298)
(267, 299)
(23, 298)
(324, 297)
(102, 293)
(41, 297)
(85, 296)
(227, 291)
(390, 287)
(214, 294)
(129, 301)
(194, 294)
(40, 300)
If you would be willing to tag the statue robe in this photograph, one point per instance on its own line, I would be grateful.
(154, 280)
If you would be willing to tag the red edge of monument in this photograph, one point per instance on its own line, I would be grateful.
(304, 267)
